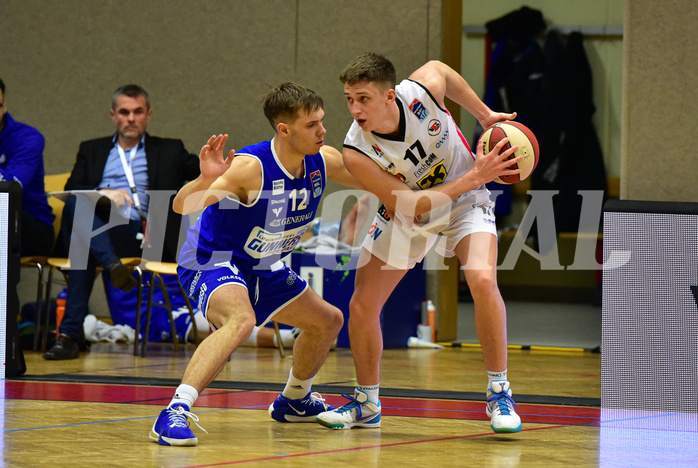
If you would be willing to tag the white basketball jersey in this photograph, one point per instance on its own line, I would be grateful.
(429, 148)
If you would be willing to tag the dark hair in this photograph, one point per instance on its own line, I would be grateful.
(287, 100)
(130, 90)
(2, 86)
(369, 67)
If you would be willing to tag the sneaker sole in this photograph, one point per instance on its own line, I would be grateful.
(358, 425)
(172, 442)
(51, 357)
(502, 430)
(506, 430)
(289, 418)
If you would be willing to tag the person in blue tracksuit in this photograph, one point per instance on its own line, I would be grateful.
(22, 160)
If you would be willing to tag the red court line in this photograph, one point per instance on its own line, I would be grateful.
(238, 399)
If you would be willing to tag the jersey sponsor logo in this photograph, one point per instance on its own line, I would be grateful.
(426, 165)
(278, 187)
(487, 209)
(192, 287)
(383, 213)
(277, 211)
(228, 277)
(374, 232)
(436, 175)
(434, 127)
(291, 277)
(419, 110)
(261, 243)
(401, 177)
(442, 140)
(377, 150)
(291, 220)
(202, 296)
(316, 180)
(276, 201)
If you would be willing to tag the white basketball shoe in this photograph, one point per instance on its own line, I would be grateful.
(500, 408)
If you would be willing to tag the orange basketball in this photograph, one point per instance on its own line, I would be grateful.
(520, 135)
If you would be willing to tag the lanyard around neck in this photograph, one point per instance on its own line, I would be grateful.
(129, 172)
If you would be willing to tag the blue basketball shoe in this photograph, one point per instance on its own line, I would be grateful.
(500, 408)
(359, 412)
(304, 410)
(172, 427)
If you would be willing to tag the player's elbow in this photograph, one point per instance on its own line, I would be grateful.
(177, 207)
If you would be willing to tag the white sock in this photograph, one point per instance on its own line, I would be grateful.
(185, 394)
(287, 338)
(252, 340)
(295, 388)
(371, 391)
(494, 376)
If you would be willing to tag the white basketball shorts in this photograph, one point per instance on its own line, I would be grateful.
(402, 247)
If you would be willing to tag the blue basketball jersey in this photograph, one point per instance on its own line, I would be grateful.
(258, 234)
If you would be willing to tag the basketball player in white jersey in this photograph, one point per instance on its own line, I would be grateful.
(257, 206)
(405, 148)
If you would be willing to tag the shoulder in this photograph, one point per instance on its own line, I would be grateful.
(21, 131)
(355, 136)
(330, 152)
(244, 174)
(163, 142)
(409, 89)
(330, 157)
(97, 142)
(429, 74)
(257, 149)
(245, 165)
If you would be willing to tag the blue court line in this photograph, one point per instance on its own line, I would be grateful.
(605, 422)
(8, 431)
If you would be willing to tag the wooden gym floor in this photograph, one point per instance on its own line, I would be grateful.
(98, 410)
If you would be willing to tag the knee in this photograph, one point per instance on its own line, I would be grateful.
(247, 323)
(239, 320)
(336, 319)
(363, 310)
(330, 321)
(482, 284)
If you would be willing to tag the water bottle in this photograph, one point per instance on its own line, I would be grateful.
(431, 319)
(60, 309)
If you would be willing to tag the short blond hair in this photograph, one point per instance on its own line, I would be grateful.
(372, 68)
(286, 101)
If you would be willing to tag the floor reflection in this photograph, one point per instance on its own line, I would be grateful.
(647, 438)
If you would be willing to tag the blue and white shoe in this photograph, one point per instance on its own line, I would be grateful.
(500, 408)
(359, 412)
(304, 410)
(172, 427)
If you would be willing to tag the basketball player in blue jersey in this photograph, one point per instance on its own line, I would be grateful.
(257, 205)
(406, 149)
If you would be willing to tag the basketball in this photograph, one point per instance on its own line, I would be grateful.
(520, 135)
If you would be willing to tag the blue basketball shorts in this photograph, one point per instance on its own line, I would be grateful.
(268, 294)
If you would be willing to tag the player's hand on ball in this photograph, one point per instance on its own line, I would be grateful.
(495, 117)
(496, 163)
(523, 139)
